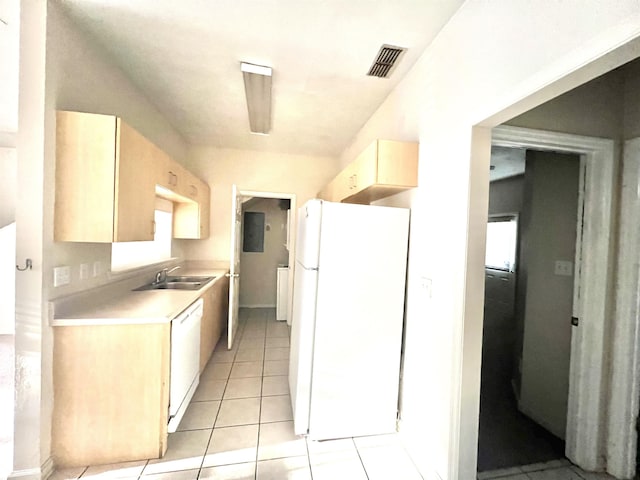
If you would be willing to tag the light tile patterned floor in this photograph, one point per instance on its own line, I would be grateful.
(239, 427)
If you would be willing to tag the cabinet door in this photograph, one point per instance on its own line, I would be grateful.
(135, 187)
(397, 163)
(364, 171)
(192, 186)
(343, 184)
(162, 168)
(207, 341)
(181, 179)
(85, 168)
(205, 210)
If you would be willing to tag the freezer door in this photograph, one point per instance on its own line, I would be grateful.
(302, 339)
(308, 239)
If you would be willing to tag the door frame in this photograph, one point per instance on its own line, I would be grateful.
(622, 435)
(292, 238)
(588, 376)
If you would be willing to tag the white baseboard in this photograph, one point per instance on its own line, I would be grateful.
(259, 305)
(42, 473)
(29, 474)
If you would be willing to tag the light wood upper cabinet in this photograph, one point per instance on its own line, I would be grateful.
(106, 178)
(104, 192)
(191, 215)
(162, 169)
(135, 188)
(385, 167)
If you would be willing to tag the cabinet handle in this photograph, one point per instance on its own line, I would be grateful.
(355, 181)
(153, 227)
(171, 175)
(194, 191)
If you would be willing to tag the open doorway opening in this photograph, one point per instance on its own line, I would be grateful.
(265, 255)
(534, 210)
(262, 253)
(8, 193)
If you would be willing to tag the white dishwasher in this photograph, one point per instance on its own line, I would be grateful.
(185, 361)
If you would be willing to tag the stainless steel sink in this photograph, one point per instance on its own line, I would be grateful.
(177, 283)
(176, 278)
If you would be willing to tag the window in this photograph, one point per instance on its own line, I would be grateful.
(253, 232)
(127, 255)
(502, 242)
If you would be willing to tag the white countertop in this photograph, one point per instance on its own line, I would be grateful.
(122, 306)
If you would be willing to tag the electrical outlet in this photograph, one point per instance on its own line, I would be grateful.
(563, 268)
(61, 276)
(97, 267)
(84, 271)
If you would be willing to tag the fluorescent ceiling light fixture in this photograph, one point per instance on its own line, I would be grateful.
(257, 87)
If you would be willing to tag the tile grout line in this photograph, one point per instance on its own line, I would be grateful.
(217, 413)
(204, 455)
(264, 341)
(360, 458)
(306, 445)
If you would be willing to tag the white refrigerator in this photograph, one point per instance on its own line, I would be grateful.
(348, 307)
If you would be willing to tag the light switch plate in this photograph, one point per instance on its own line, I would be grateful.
(563, 268)
(61, 276)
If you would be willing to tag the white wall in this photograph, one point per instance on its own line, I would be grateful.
(485, 66)
(9, 44)
(301, 175)
(97, 86)
(60, 68)
(258, 269)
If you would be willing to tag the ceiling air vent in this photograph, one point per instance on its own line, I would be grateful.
(385, 61)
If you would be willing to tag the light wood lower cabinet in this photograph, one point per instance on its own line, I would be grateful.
(111, 393)
(214, 318)
(384, 168)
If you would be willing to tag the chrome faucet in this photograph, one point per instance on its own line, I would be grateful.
(161, 276)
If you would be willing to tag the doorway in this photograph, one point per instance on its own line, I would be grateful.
(591, 302)
(8, 167)
(534, 202)
(265, 232)
(262, 240)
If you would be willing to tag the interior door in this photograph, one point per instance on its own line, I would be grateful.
(234, 264)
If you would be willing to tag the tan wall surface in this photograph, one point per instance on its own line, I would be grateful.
(258, 269)
(301, 175)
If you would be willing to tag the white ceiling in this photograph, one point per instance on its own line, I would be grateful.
(185, 55)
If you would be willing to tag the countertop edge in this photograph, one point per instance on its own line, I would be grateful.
(76, 320)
